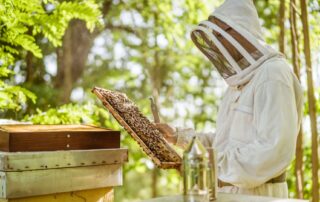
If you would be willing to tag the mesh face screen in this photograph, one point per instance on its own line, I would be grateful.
(208, 48)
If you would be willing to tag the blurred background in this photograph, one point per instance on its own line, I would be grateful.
(53, 52)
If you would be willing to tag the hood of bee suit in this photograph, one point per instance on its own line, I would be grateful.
(241, 36)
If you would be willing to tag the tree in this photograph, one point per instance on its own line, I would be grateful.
(296, 67)
(282, 18)
(21, 21)
(311, 102)
(72, 56)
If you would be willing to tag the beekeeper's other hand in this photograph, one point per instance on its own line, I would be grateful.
(167, 131)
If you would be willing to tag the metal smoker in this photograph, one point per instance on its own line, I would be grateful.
(199, 179)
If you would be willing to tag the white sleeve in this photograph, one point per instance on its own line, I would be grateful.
(184, 136)
(276, 121)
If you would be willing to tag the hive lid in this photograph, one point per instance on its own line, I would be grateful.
(20, 128)
(26, 138)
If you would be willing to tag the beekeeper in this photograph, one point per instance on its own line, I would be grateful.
(260, 114)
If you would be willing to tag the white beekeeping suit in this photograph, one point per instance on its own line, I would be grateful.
(259, 117)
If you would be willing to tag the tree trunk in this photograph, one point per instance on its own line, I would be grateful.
(64, 80)
(29, 67)
(155, 76)
(34, 69)
(72, 57)
(155, 172)
(154, 182)
(282, 16)
(296, 67)
(311, 102)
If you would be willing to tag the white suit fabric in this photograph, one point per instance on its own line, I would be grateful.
(258, 123)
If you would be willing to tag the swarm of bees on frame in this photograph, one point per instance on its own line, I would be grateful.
(146, 131)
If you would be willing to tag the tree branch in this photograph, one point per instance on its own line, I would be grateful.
(121, 28)
(106, 7)
(296, 10)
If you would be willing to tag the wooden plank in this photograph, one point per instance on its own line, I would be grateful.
(92, 195)
(4, 141)
(20, 128)
(51, 141)
(22, 138)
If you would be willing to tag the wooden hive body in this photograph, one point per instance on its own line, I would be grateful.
(27, 137)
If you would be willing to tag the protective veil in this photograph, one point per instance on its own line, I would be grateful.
(260, 114)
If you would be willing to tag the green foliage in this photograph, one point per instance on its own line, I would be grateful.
(53, 26)
(67, 114)
(14, 97)
(20, 22)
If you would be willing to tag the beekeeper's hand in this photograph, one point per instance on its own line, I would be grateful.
(167, 131)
